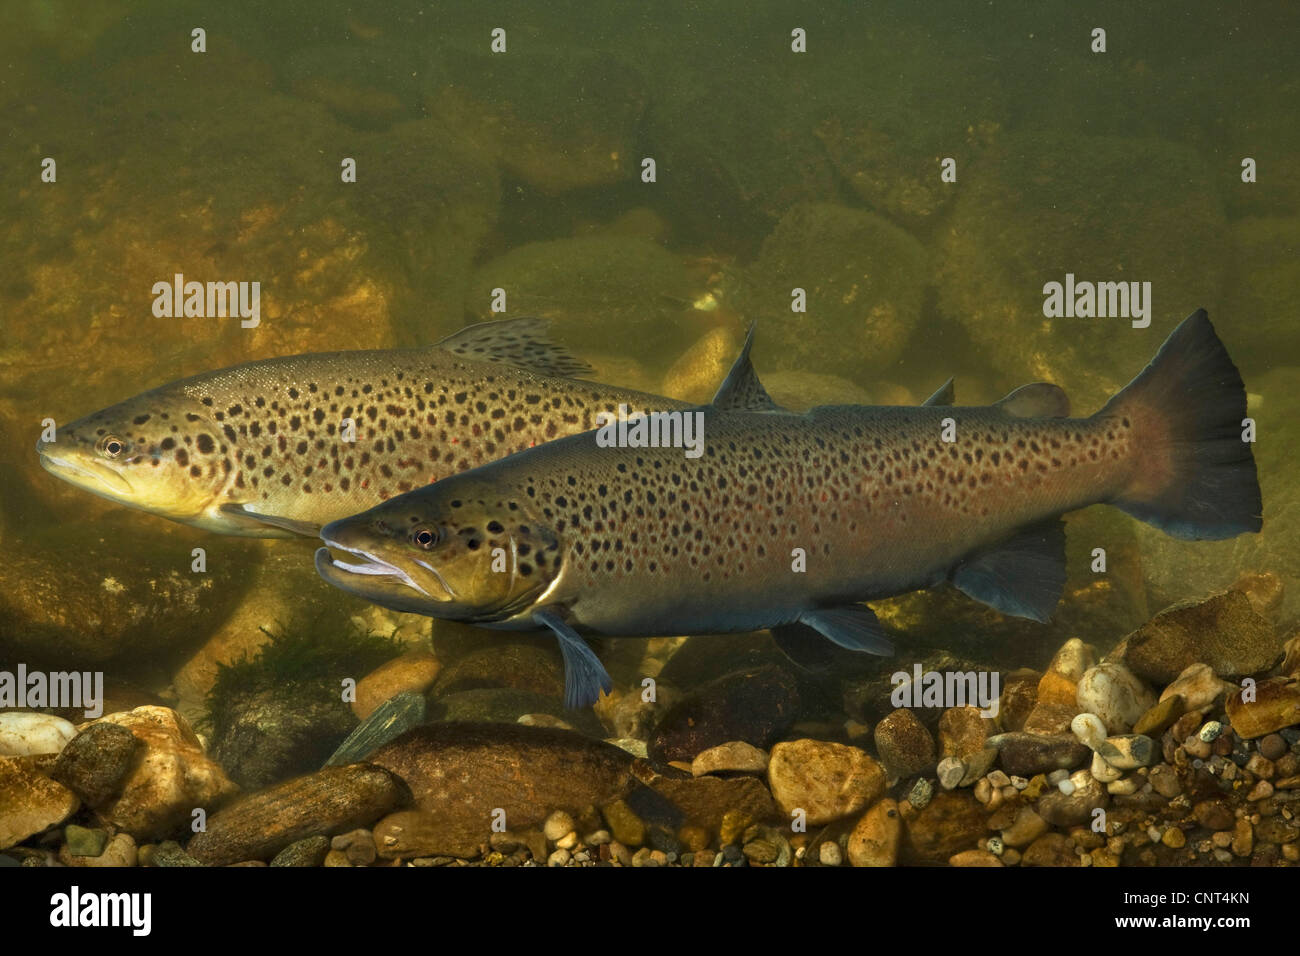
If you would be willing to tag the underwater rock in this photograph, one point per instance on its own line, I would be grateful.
(862, 303)
(962, 732)
(1276, 705)
(698, 371)
(1013, 226)
(1198, 688)
(415, 671)
(1222, 631)
(30, 801)
(463, 771)
(1026, 827)
(79, 600)
(603, 292)
(523, 667)
(502, 705)
(1019, 697)
(308, 852)
(555, 119)
(710, 802)
(1115, 694)
(333, 800)
(24, 734)
(168, 780)
(876, 836)
(414, 833)
(1161, 716)
(388, 721)
(84, 841)
(755, 706)
(1050, 849)
(367, 86)
(95, 763)
(951, 822)
(1090, 730)
(1062, 809)
(1024, 755)
(119, 851)
(1128, 751)
(735, 756)
(827, 781)
(905, 746)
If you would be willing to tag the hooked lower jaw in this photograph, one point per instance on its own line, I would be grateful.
(361, 569)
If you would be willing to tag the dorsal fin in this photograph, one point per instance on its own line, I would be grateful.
(741, 390)
(1037, 400)
(944, 395)
(522, 342)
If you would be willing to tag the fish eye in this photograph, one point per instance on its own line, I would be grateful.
(112, 446)
(424, 538)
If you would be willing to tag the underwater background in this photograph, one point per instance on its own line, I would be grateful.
(523, 170)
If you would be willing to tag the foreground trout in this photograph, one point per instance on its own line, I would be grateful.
(578, 538)
(258, 450)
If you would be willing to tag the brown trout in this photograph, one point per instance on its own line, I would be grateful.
(790, 520)
(258, 449)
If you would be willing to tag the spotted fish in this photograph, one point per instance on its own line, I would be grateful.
(788, 521)
(259, 450)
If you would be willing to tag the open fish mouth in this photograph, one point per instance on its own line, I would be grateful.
(353, 572)
(87, 474)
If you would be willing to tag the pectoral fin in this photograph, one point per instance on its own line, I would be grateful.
(1023, 576)
(854, 627)
(584, 675)
(252, 522)
(523, 342)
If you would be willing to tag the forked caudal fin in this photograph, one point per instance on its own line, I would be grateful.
(1196, 475)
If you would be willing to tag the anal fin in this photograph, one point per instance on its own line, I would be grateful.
(584, 675)
(1022, 576)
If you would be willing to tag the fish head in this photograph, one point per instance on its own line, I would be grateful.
(452, 550)
(170, 462)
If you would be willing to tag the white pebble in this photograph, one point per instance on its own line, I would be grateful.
(1056, 776)
(557, 825)
(558, 858)
(1066, 787)
(829, 853)
(950, 771)
(25, 734)
(1090, 730)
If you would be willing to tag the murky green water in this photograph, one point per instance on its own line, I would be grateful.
(651, 179)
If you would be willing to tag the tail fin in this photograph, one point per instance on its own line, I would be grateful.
(1196, 478)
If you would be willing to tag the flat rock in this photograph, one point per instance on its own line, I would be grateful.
(466, 771)
(1276, 706)
(710, 801)
(951, 822)
(332, 800)
(1023, 755)
(30, 802)
(736, 756)
(1223, 631)
(826, 780)
(24, 734)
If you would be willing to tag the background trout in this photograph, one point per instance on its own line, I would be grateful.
(256, 449)
(645, 541)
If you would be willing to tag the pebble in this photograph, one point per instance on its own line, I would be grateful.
(974, 858)
(1102, 771)
(1222, 631)
(1027, 827)
(557, 825)
(1262, 790)
(1024, 755)
(624, 824)
(1196, 748)
(1210, 730)
(1050, 849)
(24, 734)
(1125, 786)
(1276, 706)
(904, 744)
(95, 763)
(1161, 716)
(950, 771)
(1128, 751)
(120, 851)
(735, 756)
(597, 838)
(874, 840)
(1116, 695)
(1261, 766)
(1272, 746)
(1243, 838)
(962, 732)
(30, 801)
(921, 793)
(82, 841)
(1164, 781)
(308, 852)
(1199, 687)
(1214, 814)
(1090, 729)
(568, 842)
(828, 854)
(1069, 809)
(827, 780)
(620, 854)
(562, 857)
